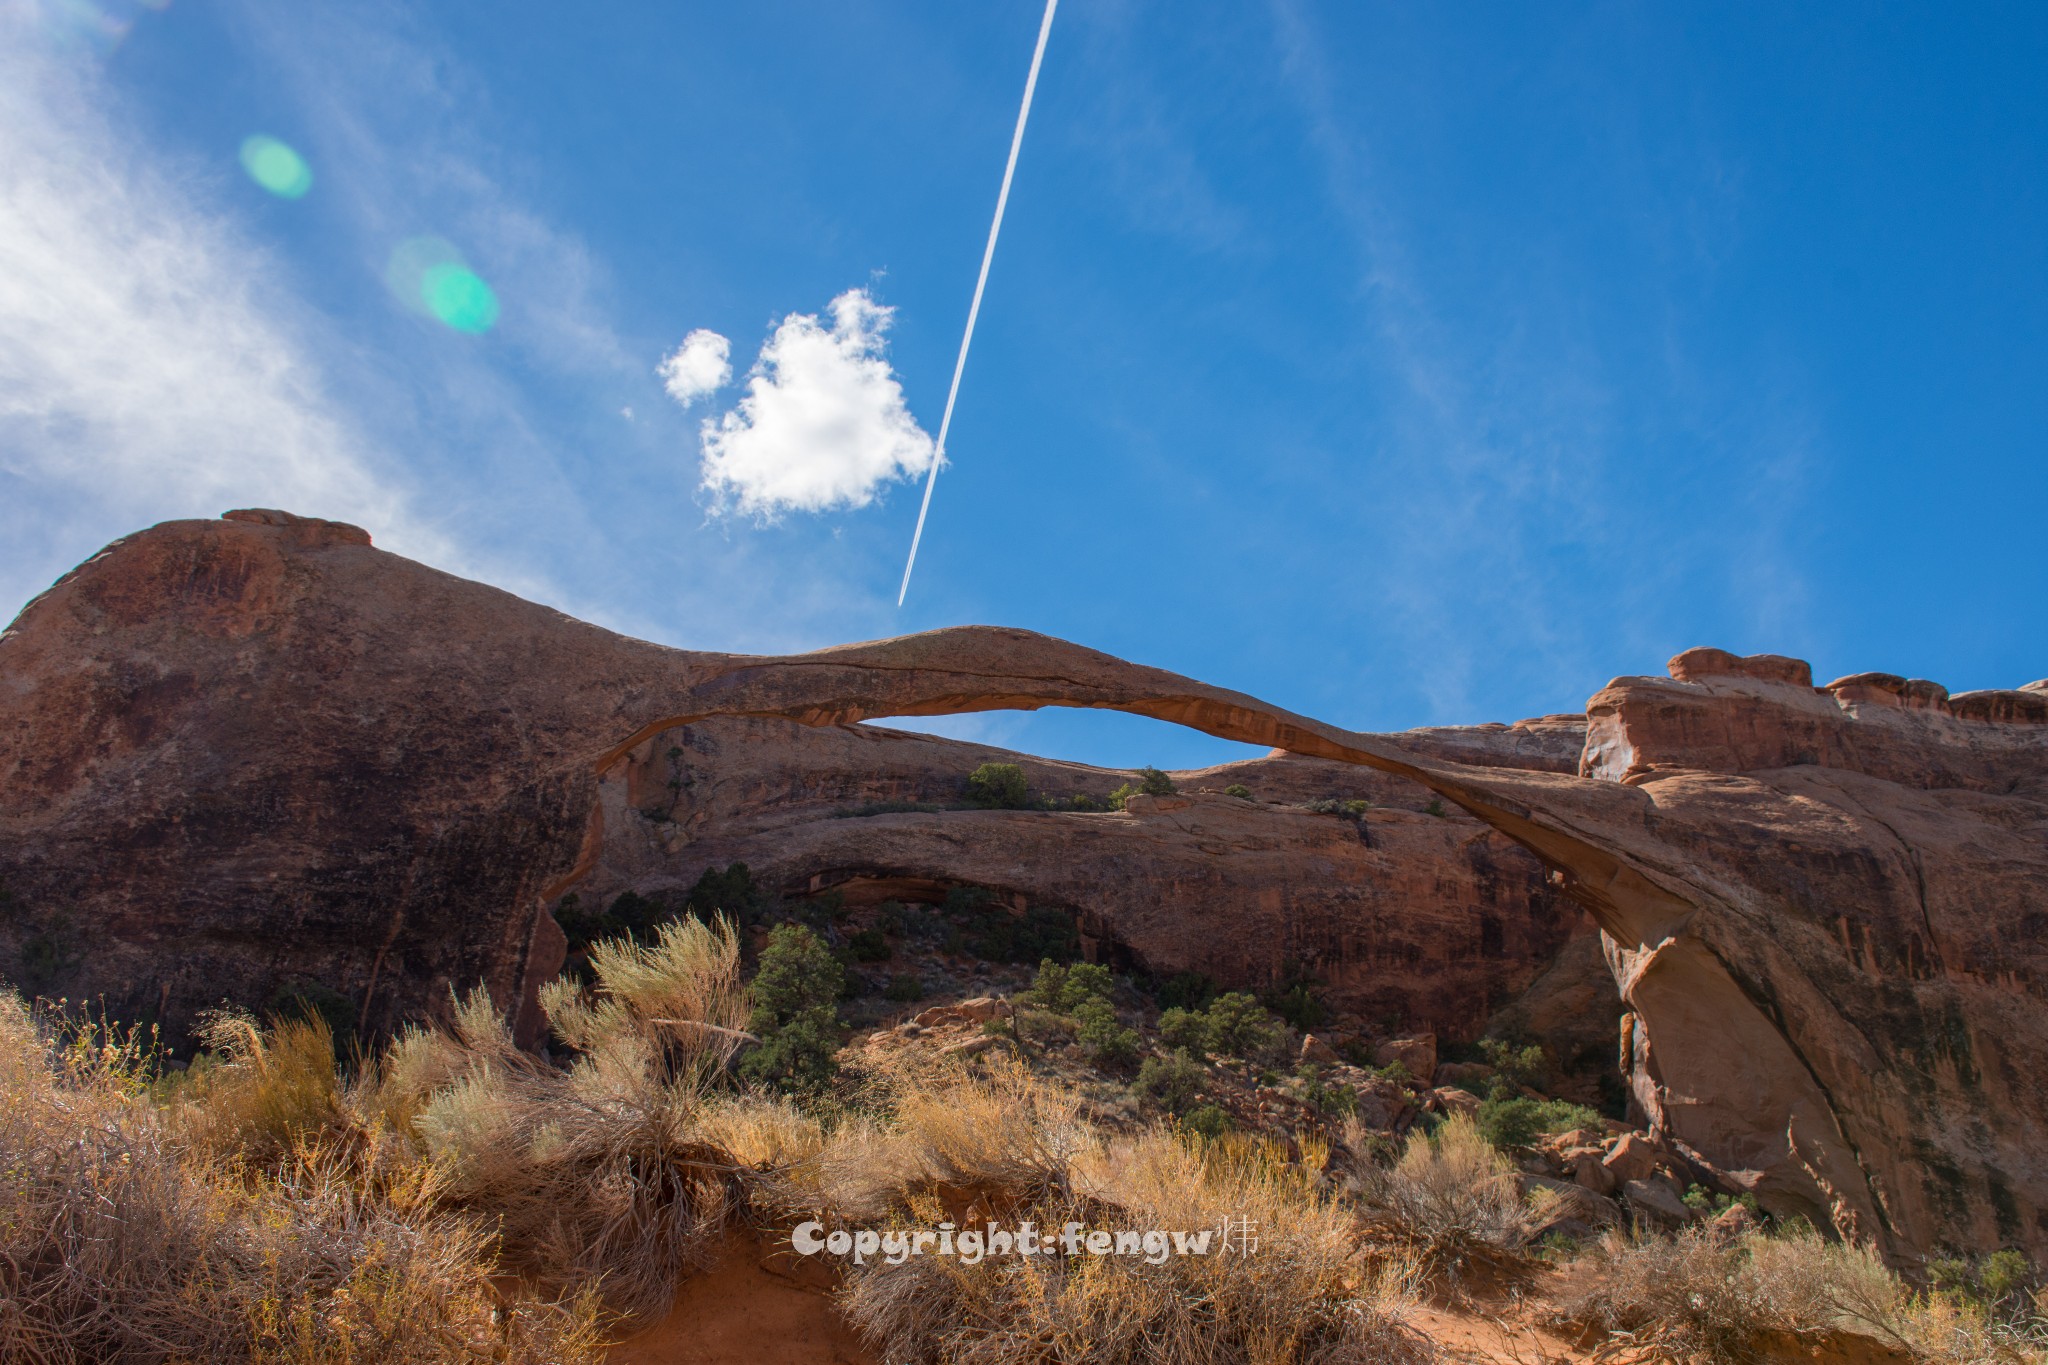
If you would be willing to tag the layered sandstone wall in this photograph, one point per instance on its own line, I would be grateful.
(1408, 920)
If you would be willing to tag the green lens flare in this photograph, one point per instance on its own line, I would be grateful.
(429, 276)
(459, 297)
(276, 167)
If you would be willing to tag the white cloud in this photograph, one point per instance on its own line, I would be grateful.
(823, 424)
(701, 366)
(146, 371)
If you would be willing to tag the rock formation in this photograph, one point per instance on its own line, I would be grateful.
(1402, 918)
(235, 752)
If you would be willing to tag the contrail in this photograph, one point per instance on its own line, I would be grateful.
(981, 282)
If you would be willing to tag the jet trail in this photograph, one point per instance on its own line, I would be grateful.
(981, 282)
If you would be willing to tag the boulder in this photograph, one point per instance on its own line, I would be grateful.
(1315, 1050)
(1447, 1100)
(1588, 1170)
(1654, 1200)
(1382, 1105)
(1417, 1054)
(1567, 1207)
(978, 1010)
(1632, 1157)
(1734, 1221)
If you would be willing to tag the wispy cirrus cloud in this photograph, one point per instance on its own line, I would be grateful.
(145, 372)
(1513, 426)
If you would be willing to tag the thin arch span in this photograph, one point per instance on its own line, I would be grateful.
(1596, 833)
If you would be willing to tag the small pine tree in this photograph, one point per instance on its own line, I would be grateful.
(1153, 782)
(796, 992)
(1062, 989)
(1239, 1026)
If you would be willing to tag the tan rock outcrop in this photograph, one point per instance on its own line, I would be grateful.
(234, 750)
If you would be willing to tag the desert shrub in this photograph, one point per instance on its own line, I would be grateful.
(1083, 801)
(309, 999)
(1186, 1030)
(1035, 1022)
(1298, 1003)
(121, 1243)
(50, 954)
(1239, 1026)
(256, 1094)
(1696, 1295)
(1186, 990)
(1121, 793)
(1083, 994)
(1042, 932)
(1174, 1081)
(629, 914)
(1435, 807)
(1209, 1121)
(904, 988)
(1515, 1123)
(919, 925)
(1454, 1195)
(992, 933)
(1108, 1042)
(1238, 790)
(731, 892)
(868, 808)
(1153, 782)
(998, 786)
(1331, 1101)
(996, 1129)
(1513, 1066)
(1350, 808)
(795, 994)
(1234, 1025)
(1061, 988)
(1395, 1071)
(1700, 1199)
(1995, 1281)
(869, 945)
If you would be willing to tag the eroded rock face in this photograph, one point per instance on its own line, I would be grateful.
(1867, 866)
(236, 750)
(1406, 919)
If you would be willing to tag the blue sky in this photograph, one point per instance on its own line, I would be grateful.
(1400, 363)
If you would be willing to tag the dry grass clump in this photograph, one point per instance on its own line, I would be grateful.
(121, 1240)
(1454, 1197)
(996, 1130)
(1014, 1146)
(259, 1093)
(613, 1170)
(1953, 1330)
(1734, 1301)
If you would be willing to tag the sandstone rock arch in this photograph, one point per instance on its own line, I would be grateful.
(254, 750)
(1735, 1060)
